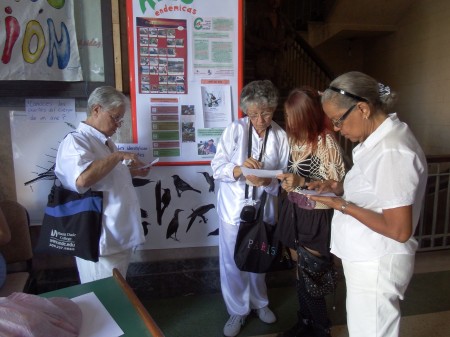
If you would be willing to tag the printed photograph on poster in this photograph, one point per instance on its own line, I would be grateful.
(188, 123)
(207, 141)
(188, 129)
(216, 104)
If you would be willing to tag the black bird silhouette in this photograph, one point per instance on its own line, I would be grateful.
(214, 232)
(140, 182)
(200, 211)
(209, 180)
(165, 199)
(145, 225)
(49, 174)
(158, 202)
(172, 228)
(181, 185)
(144, 213)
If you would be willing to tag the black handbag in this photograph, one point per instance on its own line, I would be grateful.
(257, 249)
(72, 224)
(318, 272)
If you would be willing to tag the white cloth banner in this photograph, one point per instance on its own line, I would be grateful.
(40, 42)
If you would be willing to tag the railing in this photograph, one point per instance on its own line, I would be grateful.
(433, 231)
(302, 66)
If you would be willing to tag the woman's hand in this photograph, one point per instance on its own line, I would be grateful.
(252, 163)
(289, 181)
(258, 181)
(137, 168)
(333, 202)
(329, 185)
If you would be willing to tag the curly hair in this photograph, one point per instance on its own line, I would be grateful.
(262, 93)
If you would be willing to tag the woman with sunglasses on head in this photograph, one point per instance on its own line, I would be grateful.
(314, 155)
(380, 202)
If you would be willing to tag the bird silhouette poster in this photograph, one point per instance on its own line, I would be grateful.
(180, 207)
(34, 146)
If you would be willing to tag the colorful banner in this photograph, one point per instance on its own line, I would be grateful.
(39, 41)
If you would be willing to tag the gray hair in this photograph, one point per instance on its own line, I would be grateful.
(262, 93)
(107, 97)
(355, 83)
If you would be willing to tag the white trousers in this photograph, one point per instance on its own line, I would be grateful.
(374, 290)
(91, 271)
(242, 291)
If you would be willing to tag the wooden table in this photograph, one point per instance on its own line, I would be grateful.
(120, 301)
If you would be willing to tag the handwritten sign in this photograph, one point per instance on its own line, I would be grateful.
(50, 110)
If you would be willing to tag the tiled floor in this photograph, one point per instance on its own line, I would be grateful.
(432, 325)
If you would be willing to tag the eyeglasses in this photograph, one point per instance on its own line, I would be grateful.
(263, 115)
(338, 122)
(117, 120)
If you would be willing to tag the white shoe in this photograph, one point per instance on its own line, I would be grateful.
(233, 325)
(266, 315)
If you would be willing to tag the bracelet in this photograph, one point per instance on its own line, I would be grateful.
(344, 206)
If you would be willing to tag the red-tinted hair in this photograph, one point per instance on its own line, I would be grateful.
(304, 116)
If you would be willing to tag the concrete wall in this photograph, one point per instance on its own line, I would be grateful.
(415, 62)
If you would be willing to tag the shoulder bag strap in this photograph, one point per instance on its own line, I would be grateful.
(249, 152)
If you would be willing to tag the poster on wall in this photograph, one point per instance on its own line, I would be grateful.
(34, 160)
(186, 75)
(39, 41)
(185, 66)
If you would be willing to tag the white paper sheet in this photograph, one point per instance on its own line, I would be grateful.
(97, 322)
(260, 173)
(150, 164)
(314, 192)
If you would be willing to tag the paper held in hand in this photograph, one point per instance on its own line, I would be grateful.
(260, 173)
(150, 164)
(314, 192)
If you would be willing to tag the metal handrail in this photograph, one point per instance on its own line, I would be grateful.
(433, 231)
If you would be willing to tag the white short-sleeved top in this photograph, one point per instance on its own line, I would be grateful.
(389, 171)
(122, 227)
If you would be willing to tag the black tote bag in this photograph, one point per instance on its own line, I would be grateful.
(257, 250)
(72, 224)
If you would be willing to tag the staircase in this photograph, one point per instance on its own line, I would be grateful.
(317, 22)
(301, 64)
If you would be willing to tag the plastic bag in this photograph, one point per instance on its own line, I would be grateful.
(28, 315)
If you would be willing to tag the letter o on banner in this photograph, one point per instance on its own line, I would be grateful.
(33, 29)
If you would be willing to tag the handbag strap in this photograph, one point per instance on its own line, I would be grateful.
(249, 152)
(260, 214)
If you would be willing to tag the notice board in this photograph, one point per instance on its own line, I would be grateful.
(186, 75)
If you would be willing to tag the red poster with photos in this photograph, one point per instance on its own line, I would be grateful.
(162, 54)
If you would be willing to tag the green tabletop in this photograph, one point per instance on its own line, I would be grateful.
(114, 297)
